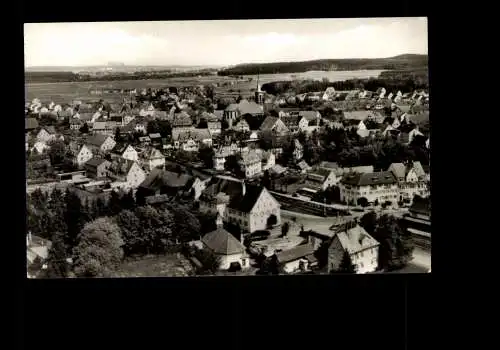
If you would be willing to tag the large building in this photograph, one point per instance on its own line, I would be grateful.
(374, 187)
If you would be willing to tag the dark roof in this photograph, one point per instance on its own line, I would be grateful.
(31, 123)
(95, 162)
(291, 120)
(300, 251)
(97, 140)
(158, 178)
(119, 149)
(310, 115)
(367, 179)
(50, 129)
(268, 123)
(421, 206)
(222, 242)
(234, 189)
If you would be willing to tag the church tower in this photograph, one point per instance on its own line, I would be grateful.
(259, 94)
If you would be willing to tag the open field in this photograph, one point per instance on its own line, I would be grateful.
(170, 265)
(68, 91)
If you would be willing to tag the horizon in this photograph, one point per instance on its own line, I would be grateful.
(220, 43)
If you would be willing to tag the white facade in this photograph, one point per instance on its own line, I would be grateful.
(365, 260)
(295, 265)
(226, 260)
(219, 162)
(83, 156)
(156, 162)
(381, 193)
(44, 136)
(251, 169)
(130, 153)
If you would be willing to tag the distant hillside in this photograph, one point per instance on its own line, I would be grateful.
(401, 62)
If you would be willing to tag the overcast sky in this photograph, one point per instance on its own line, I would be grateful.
(220, 42)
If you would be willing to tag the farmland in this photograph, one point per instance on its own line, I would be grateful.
(68, 91)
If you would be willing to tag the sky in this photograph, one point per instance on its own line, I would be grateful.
(220, 42)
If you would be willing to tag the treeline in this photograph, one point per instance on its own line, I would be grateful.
(394, 63)
(59, 77)
(406, 84)
(98, 234)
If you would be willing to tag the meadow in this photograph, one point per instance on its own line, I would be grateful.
(69, 91)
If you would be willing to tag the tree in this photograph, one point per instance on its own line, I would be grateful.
(84, 129)
(284, 229)
(266, 180)
(57, 266)
(346, 265)
(186, 225)
(140, 196)
(369, 222)
(130, 227)
(210, 262)
(206, 155)
(74, 217)
(57, 152)
(99, 249)
(118, 135)
(363, 202)
(127, 200)
(114, 203)
(396, 244)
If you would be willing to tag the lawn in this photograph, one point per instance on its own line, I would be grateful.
(170, 265)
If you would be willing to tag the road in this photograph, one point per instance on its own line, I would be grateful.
(421, 262)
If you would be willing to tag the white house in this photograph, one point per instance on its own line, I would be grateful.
(79, 155)
(361, 247)
(297, 259)
(415, 132)
(226, 247)
(190, 141)
(298, 150)
(219, 158)
(100, 142)
(40, 147)
(251, 163)
(320, 179)
(374, 187)
(154, 159)
(126, 174)
(411, 179)
(46, 134)
(125, 152)
(249, 206)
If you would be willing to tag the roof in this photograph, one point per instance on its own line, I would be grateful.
(153, 153)
(367, 179)
(329, 165)
(154, 136)
(182, 119)
(158, 178)
(251, 157)
(119, 148)
(50, 129)
(303, 165)
(234, 189)
(95, 162)
(268, 123)
(222, 242)
(310, 115)
(362, 115)
(295, 253)
(30, 123)
(291, 120)
(195, 134)
(219, 114)
(232, 107)
(319, 174)
(356, 239)
(96, 140)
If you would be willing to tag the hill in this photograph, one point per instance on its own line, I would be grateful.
(400, 62)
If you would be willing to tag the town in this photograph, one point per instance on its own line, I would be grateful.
(245, 185)
(230, 175)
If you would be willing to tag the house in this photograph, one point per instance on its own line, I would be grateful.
(414, 133)
(30, 124)
(154, 159)
(303, 166)
(293, 122)
(46, 134)
(274, 124)
(100, 142)
(380, 92)
(411, 179)
(242, 126)
(251, 163)
(376, 187)
(125, 174)
(361, 247)
(190, 141)
(147, 111)
(312, 118)
(328, 165)
(421, 209)
(298, 150)
(268, 159)
(144, 140)
(78, 154)
(363, 133)
(134, 126)
(320, 179)
(182, 122)
(296, 260)
(40, 147)
(104, 127)
(329, 94)
(219, 158)
(155, 139)
(125, 152)
(97, 168)
(249, 206)
(226, 247)
(364, 115)
(215, 127)
(251, 108)
(161, 181)
(76, 124)
(37, 252)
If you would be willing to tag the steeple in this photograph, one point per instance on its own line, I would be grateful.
(259, 94)
(219, 221)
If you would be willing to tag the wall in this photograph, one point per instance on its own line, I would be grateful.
(366, 260)
(335, 254)
(226, 260)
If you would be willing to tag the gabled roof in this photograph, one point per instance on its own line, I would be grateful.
(95, 162)
(367, 179)
(356, 239)
(97, 140)
(195, 134)
(246, 107)
(268, 123)
(329, 165)
(182, 119)
(310, 115)
(159, 178)
(295, 253)
(222, 242)
(153, 153)
(291, 120)
(120, 149)
(50, 129)
(31, 123)
(251, 157)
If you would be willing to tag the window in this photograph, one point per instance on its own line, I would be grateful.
(243, 262)
(361, 264)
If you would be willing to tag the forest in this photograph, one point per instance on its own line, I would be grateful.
(400, 62)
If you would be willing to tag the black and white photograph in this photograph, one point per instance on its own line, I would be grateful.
(227, 148)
